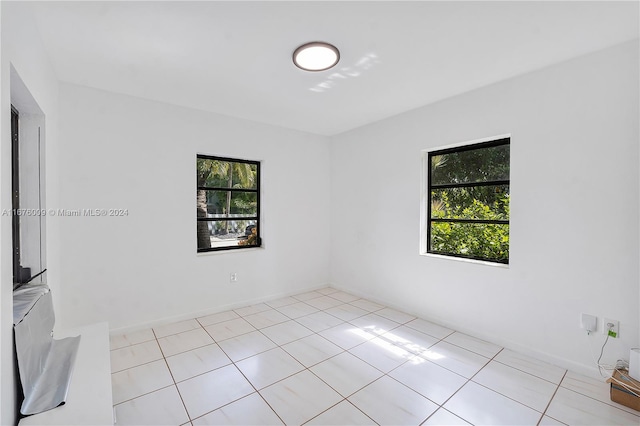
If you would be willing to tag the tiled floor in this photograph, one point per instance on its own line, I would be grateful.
(330, 358)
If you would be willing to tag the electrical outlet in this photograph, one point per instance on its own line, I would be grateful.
(613, 331)
(233, 278)
(589, 322)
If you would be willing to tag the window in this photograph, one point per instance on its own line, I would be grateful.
(227, 203)
(468, 203)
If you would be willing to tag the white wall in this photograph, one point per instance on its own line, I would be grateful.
(125, 152)
(574, 210)
(21, 49)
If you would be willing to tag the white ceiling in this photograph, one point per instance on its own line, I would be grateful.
(234, 58)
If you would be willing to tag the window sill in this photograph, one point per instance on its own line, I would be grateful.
(462, 259)
(219, 252)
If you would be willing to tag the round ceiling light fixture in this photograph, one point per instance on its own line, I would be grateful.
(316, 56)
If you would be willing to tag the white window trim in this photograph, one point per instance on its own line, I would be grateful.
(424, 199)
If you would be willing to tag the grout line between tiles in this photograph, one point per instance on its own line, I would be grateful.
(552, 397)
(309, 368)
(340, 402)
(141, 395)
(600, 401)
(584, 393)
(173, 378)
(531, 374)
(235, 400)
(465, 383)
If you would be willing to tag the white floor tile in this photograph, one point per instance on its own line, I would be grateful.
(312, 349)
(299, 398)
(250, 410)
(346, 373)
(594, 388)
(397, 316)
(375, 324)
(269, 367)
(228, 329)
(548, 421)
(529, 390)
(343, 296)
(409, 339)
(367, 305)
(382, 354)
(390, 403)
(481, 406)
(308, 295)
(344, 413)
(430, 328)
(175, 328)
(456, 359)
(182, 342)
(576, 409)
(133, 338)
(346, 335)
(137, 381)
(319, 321)
(428, 379)
(247, 345)
(346, 312)
(198, 361)
(162, 407)
(297, 310)
(427, 365)
(286, 332)
(212, 390)
(283, 301)
(253, 309)
(134, 355)
(443, 417)
(531, 365)
(216, 318)
(472, 344)
(323, 302)
(266, 318)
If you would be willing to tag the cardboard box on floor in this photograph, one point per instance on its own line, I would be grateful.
(625, 390)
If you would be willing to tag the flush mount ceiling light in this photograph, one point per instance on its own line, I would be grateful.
(316, 56)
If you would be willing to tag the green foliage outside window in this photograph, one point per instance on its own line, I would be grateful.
(469, 202)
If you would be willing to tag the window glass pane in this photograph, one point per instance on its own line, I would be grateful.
(245, 175)
(226, 174)
(227, 190)
(244, 203)
(476, 165)
(216, 203)
(483, 202)
(237, 203)
(222, 233)
(213, 173)
(487, 241)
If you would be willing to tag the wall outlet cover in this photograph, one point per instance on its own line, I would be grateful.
(589, 322)
(615, 330)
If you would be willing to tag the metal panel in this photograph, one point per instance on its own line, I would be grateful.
(45, 365)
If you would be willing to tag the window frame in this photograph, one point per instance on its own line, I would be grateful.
(428, 220)
(255, 190)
